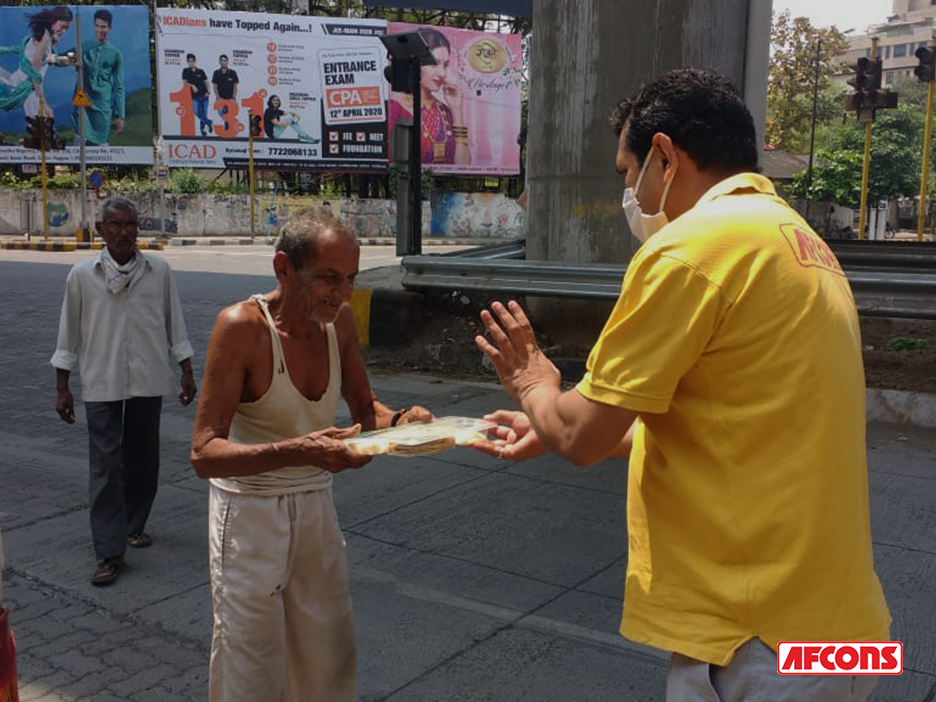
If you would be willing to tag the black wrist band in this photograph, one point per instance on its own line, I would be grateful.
(396, 417)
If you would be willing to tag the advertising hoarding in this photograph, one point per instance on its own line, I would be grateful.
(117, 81)
(317, 84)
(470, 101)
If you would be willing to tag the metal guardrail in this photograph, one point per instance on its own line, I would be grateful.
(888, 281)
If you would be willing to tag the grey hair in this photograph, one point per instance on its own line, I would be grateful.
(300, 234)
(117, 202)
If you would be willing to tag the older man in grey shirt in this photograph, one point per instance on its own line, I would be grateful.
(121, 322)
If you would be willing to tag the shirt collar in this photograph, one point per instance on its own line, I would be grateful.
(741, 181)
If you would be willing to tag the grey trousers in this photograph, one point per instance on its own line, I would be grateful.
(124, 462)
(752, 676)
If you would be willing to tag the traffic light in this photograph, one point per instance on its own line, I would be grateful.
(872, 74)
(33, 138)
(400, 76)
(40, 134)
(49, 139)
(880, 99)
(860, 80)
(926, 70)
(256, 125)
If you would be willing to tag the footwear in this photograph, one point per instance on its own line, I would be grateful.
(108, 570)
(141, 540)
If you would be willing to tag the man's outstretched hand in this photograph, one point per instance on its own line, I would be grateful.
(513, 438)
(521, 365)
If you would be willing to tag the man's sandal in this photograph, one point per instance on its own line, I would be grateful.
(108, 570)
(141, 540)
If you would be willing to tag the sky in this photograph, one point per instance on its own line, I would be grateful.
(844, 14)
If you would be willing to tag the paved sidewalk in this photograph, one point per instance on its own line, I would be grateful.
(37, 242)
(473, 579)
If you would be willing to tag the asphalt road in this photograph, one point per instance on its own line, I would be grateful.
(472, 579)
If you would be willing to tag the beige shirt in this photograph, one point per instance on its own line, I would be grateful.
(123, 343)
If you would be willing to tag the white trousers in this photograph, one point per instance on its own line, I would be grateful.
(283, 624)
(752, 676)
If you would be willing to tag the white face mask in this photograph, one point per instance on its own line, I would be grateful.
(642, 225)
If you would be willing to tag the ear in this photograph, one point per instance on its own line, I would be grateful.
(281, 265)
(670, 156)
(99, 226)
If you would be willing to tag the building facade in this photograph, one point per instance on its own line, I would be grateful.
(910, 26)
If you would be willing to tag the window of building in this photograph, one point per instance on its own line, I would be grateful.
(888, 78)
(887, 51)
(900, 50)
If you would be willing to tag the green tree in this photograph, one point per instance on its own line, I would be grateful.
(896, 147)
(792, 80)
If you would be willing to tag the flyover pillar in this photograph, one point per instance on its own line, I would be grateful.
(587, 55)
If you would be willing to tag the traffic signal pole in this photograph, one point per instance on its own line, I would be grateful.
(250, 169)
(83, 225)
(865, 168)
(45, 176)
(923, 72)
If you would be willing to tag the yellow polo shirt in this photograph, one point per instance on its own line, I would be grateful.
(736, 339)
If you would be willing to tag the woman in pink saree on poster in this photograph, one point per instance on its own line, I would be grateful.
(444, 134)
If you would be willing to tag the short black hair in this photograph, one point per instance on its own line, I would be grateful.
(106, 16)
(701, 111)
(223, 56)
(190, 57)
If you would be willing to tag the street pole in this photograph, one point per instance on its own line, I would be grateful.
(866, 166)
(927, 137)
(416, 160)
(250, 170)
(812, 131)
(83, 224)
(45, 176)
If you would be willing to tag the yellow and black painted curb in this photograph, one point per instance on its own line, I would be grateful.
(386, 317)
(69, 245)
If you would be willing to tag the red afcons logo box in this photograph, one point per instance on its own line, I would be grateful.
(840, 658)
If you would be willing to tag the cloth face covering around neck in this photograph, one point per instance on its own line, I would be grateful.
(119, 276)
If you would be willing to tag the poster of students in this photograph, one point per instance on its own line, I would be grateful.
(470, 101)
(316, 83)
(36, 77)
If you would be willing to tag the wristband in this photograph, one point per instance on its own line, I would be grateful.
(396, 417)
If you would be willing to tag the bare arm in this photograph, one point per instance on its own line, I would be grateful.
(355, 385)
(366, 409)
(568, 423)
(231, 351)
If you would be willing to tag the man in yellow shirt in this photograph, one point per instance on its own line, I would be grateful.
(730, 371)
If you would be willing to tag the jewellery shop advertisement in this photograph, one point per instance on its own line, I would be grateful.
(470, 101)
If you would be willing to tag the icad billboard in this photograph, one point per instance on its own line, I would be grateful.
(116, 80)
(317, 84)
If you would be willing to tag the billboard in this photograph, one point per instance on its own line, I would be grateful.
(317, 83)
(117, 81)
(470, 101)
(514, 8)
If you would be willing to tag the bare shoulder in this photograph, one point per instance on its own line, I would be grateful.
(244, 316)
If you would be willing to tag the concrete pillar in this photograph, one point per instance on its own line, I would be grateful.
(587, 55)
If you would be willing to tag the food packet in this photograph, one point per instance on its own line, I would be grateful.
(422, 438)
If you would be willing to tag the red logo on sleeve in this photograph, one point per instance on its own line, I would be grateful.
(810, 251)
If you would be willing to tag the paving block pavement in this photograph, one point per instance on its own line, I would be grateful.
(473, 579)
